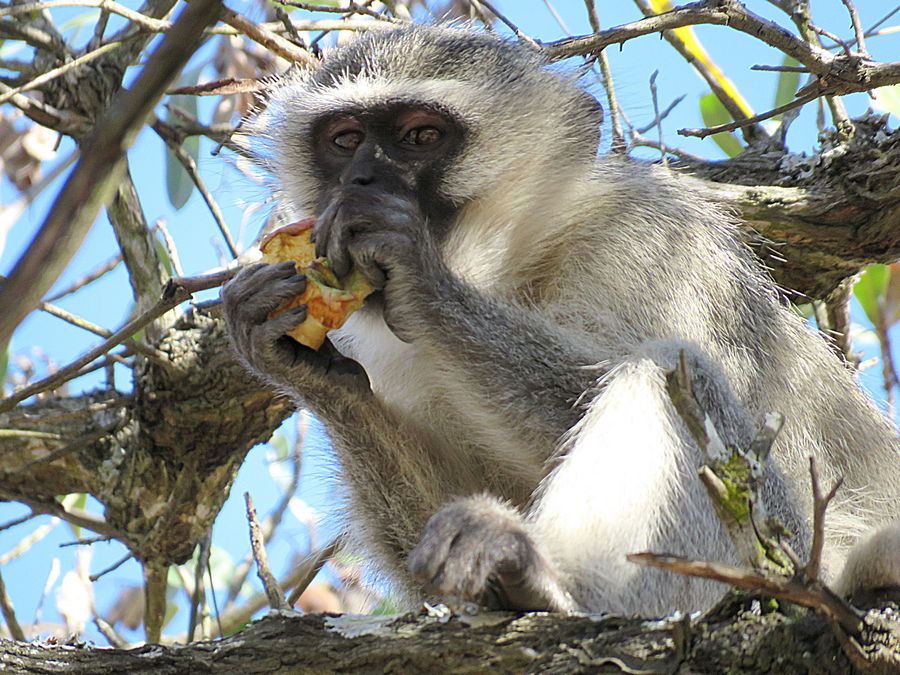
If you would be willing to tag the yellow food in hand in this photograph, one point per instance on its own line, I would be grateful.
(329, 301)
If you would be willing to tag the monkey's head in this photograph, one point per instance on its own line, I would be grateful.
(445, 116)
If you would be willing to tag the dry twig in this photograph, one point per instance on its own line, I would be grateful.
(170, 135)
(311, 565)
(269, 582)
(9, 614)
(268, 39)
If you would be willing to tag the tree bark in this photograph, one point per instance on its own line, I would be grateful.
(816, 219)
(745, 640)
(162, 460)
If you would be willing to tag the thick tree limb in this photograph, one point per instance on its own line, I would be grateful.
(747, 642)
(821, 217)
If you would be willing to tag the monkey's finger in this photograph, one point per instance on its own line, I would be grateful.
(322, 230)
(253, 279)
(426, 561)
(365, 258)
(255, 305)
(340, 236)
(283, 323)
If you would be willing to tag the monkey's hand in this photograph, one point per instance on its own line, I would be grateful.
(263, 345)
(383, 235)
(478, 550)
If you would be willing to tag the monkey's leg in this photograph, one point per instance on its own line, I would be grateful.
(626, 482)
(396, 479)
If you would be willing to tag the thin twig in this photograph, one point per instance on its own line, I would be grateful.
(311, 566)
(155, 25)
(171, 248)
(88, 278)
(285, 18)
(98, 172)
(212, 592)
(659, 131)
(172, 296)
(857, 29)
(641, 142)
(615, 117)
(663, 115)
(237, 616)
(9, 614)
(198, 594)
(99, 29)
(802, 19)
(314, 26)
(888, 368)
(28, 541)
(33, 36)
(169, 135)
(17, 521)
(353, 8)
(106, 630)
(273, 519)
(75, 445)
(736, 106)
(116, 565)
(269, 582)
(158, 357)
(780, 69)
(86, 541)
(271, 41)
(810, 571)
(817, 596)
(731, 126)
(509, 24)
(54, 508)
(220, 133)
(63, 121)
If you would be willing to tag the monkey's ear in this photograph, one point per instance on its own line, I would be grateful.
(593, 115)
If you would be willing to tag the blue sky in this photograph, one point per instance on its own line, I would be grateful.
(107, 302)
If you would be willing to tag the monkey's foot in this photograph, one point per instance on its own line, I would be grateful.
(479, 550)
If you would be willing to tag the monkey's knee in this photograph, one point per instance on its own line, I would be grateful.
(873, 563)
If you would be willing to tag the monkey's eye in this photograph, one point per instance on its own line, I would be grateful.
(422, 136)
(348, 140)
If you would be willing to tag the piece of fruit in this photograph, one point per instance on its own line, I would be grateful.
(329, 300)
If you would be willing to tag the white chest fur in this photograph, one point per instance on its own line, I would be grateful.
(395, 368)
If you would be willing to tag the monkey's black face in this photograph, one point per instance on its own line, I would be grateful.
(402, 150)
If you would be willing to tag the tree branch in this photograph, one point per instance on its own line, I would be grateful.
(98, 171)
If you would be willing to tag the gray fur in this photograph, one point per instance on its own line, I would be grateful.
(517, 398)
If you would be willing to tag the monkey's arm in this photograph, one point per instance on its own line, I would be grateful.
(525, 365)
(492, 351)
(396, 478)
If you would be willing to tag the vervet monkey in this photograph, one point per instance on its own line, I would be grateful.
(499, 407)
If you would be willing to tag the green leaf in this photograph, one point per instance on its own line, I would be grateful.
(869, 289)
(806, 310)
(788, 82)
(179, 185)
(76, 500)
(888, 99)
(163, 254)
(282, 447)
(714, 114)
